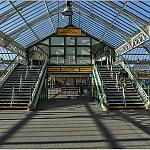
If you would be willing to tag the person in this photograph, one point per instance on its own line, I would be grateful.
(122, 77)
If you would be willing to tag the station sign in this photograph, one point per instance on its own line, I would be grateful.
(85, 69)
(54, 69)
(69, 31)
(70, 69)
(143, 75)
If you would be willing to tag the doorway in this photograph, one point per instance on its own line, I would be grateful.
(69, 85)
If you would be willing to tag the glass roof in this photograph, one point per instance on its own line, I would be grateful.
(113, 22)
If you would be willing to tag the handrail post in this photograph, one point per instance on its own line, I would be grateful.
(12, 96)
(20, 82)
(31, 65)
(140, 90)
(26, 72)
(100, 91)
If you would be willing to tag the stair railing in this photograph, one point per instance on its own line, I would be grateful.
(34, 88)
(31, 65)
(12, 95)
(8, 70)
(26, 73)
(140, 90)
(99, 86)
(21, 78)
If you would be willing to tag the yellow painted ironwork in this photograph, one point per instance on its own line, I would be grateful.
(70, 69)
(69, 31)
(53, 69)
(86, 69)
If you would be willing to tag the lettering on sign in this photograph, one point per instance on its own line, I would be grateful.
(85, 69)
(143, 75)
(70, 69)
(69, 31)
(53, 69)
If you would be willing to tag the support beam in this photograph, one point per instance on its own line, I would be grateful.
(134, 19)
(7, 14)
(11, 45)
(49, 15)
(125, 12)
(146, 48)
(135, 41)
(135, 62)
(24, 20)
(17, 32)
(100, 20)
(110, 26)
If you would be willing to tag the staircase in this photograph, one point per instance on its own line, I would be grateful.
(114, 97)
(21, 96)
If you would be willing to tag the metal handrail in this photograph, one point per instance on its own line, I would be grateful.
(12, 96)
(8, 65)
(141, 92)
(99, 86)
(35, 86)
(21, 77)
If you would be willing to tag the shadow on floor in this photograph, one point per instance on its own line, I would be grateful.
(64, 102)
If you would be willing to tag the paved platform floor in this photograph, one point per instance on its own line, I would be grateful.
(62, 123)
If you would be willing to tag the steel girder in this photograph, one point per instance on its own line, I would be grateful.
(135, 41)
(49, 14)
(11, 45)
(24, 20)
(6, 15)
(34, 22)
(114, 22)
(147, 48)
(101, 21)
(125, 12)
(129, 16)
(139, 38)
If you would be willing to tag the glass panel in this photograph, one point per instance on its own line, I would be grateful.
(70, 51)
(83, 50)
(57, 59)
(46, 42)
(57, 41)
(83, 41)
(57, 50)
(70, 40)
(71, 58)
(83, 60)
(70, 55)
(94, 42)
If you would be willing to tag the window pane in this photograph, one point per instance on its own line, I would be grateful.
(83, 50)
(70, 40)
(94, 42)
(84, 60)
(70, 51)
(57, 60)
(46, 42)
(57, 50)
(83, 41)
(57, 41)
